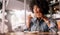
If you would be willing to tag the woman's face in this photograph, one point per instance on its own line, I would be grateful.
(37, 11)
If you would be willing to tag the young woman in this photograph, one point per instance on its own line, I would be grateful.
(40, 22)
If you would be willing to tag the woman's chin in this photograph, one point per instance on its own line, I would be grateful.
(38, 17)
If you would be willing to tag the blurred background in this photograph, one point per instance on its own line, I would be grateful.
(13, 14)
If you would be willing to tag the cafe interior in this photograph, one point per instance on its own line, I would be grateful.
(13, 17)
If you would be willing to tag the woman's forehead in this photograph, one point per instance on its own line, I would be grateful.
(35, 5)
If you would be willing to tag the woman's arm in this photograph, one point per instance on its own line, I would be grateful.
(28, 21)
(52, 24)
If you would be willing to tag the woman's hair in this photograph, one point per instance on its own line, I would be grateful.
(0, 5)
(42, 4)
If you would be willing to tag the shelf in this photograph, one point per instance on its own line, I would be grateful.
(54, 4)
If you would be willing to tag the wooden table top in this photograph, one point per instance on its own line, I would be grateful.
(32, 33)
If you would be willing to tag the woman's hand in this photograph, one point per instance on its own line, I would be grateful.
(46, 20)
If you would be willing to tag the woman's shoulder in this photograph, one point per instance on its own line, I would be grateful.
(52, 20)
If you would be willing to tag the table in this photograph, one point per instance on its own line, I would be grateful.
(32, 33)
